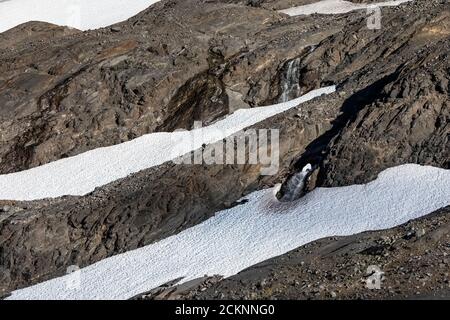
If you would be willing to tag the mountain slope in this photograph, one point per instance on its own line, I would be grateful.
(181, 61)
(413, 257)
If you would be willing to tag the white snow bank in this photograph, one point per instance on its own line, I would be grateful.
(240, 237)
(337, 7)
(80, 14)
(81, 174)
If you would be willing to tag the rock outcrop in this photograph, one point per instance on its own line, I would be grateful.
(40, 239)
(412, 261)
(181, 61)
(407, 122)
(174, 63)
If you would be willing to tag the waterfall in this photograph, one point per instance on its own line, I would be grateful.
(294, 187)
(289, 81)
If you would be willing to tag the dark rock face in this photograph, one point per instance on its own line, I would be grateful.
(407, 122)
(161, 70)
(397, 109)
(201, 99)
(29, 34)
(168, 66)
(182, 61)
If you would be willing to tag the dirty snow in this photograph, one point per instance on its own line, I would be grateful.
(79, 14)
(337, 7)
(262, 228)
(81, 174)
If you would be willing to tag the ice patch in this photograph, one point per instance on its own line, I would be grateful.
(295, 186)
(255, 231)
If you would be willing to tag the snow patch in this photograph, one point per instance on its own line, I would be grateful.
(260, 229)
(79, 14)
(296, 185)
(337, 7)
(81, 174)
(89, 14)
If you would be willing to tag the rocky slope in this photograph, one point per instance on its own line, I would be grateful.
(159, 71)
(181, 61)
(417, 101)
(414, 259)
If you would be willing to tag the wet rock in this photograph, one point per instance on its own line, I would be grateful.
(391, 108)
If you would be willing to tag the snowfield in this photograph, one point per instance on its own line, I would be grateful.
(262, 228)
(79, 14)
(337, 7)
(81, 174)
(233, 239)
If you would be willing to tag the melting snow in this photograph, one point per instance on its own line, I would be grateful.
(81, 174)
(233, 239)
(80, 14)
(262, 228)
(337, 7)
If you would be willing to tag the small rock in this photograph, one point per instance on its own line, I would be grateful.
(411, 234)
(261, 284)
(420, 233)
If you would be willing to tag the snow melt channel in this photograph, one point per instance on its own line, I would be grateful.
(81, 174)
(79, 14)
(260, 229)
(337, 7)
